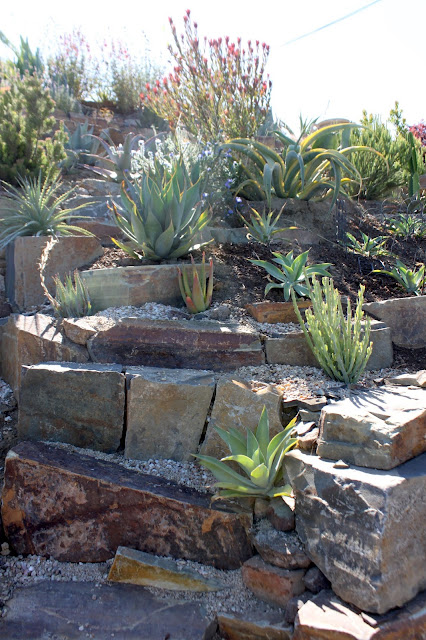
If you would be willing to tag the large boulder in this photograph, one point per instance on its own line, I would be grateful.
(27, 340)
(166, 411)
(378, 428)
(406, 318)
(364, 529)
(80, 404)
(182, 344)
(76, 508)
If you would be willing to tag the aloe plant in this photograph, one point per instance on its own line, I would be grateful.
(260, 458)
(309, 168)
(118, 161)
(412, 280)
(340, 344)
(198, 297)
(162, 212)
(263, 227)
(368, 247)
(34, 210)
(292, 276)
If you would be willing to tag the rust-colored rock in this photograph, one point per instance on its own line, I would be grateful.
(76, 508)
(27, 340)
(254, 625)
(273, 312)
(328, 617)
(272, 584)
(78, 330)
(182, 344)
(23, 256)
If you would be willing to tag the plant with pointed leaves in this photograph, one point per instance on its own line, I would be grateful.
(260, 458)
(199, 297)
(162, 212)
(340, 344)
(368, 247)
(34, 210)
(292, 276)
(263, 227)
(118, 161)
(412, 280)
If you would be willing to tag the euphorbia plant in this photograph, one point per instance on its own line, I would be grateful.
(218, 88)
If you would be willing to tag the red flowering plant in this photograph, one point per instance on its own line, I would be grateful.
(419, 132)
(217, 90)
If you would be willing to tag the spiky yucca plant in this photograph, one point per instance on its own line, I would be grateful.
(341, 345)
(198, 297)
(261, 460)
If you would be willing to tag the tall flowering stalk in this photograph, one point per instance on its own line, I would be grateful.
(218, 89)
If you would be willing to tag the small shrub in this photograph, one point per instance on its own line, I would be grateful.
(340, 344)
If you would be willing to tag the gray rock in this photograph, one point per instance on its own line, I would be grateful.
(76, 610)
(364, 529)
(405, 317)
(315, 581)
(409, 379)
(80, 404)
(281, 549)
(377, 428)
(166, 411)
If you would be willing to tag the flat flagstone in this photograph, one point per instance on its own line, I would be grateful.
(76, 508)
(378, 428)
(182, 344)
(166, 411)
(76, 610)
(254, 625)
(80, 404)
(137, 567)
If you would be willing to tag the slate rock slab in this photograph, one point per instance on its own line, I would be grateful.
(377, 428)
(76, 508)
(183, 344)
(254, 625)
(406, 318)
(80, 404)
(166, 411)
(364, 529)
(326, 616)
(76, 610)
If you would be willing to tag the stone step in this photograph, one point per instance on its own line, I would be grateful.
(76, 610)
(76, 508)
(181, 344)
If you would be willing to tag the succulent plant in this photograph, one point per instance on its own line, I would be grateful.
(412, 280)
(368, 247)
(260, 458)
(118, 161)
(263, 227)
(198, 297)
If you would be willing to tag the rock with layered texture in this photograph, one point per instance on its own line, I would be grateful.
(364, 529)
(254, 625)
(377, 428)
(272, 584)
(326, 616)
(27, 340)
(76, 508)
(80, 404)
(239, 403)
(181, 344)
(166, 412)
(405, 317)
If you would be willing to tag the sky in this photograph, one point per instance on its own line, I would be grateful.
(366, 61)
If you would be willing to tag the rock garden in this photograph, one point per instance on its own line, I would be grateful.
(213, 370)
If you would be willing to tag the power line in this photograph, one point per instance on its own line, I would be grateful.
(329, 24)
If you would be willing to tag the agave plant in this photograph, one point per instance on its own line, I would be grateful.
(34, 210)
(368, 247)
(198, 297)
(161, 213)
(263, 227)
(412, 280)
(309, 168)
(82, 145)
(260, 459)
(292, 276)
(118, 161)
(340, 344)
